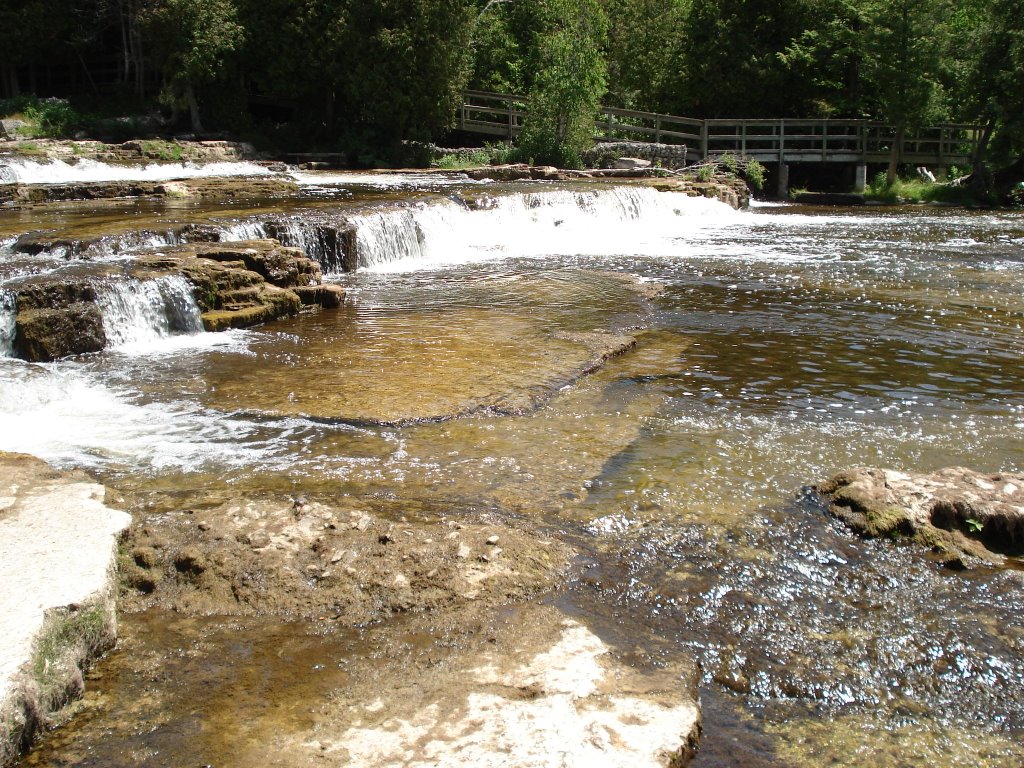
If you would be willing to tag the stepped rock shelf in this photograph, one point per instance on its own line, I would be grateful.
(233, 286)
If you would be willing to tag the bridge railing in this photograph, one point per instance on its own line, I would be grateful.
(501, 114)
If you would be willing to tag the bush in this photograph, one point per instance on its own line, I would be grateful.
(50, 118)
(754, 173)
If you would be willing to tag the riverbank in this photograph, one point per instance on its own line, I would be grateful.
(57, 608)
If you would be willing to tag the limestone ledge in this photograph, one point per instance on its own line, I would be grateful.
(962, 515)
(235, 285)
(57, 567)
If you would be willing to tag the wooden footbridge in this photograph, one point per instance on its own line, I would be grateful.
(769, 141)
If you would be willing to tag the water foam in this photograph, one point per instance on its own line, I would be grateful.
(25, 171)
(138, 312)
(8, 310)
(613, 221)
(63, 416)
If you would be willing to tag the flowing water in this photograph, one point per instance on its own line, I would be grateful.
(775, 346)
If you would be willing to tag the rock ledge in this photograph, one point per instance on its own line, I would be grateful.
(955, 511)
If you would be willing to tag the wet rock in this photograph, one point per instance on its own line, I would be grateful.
(43, 335)
(956, 511)
(57, 603)
(241, 284)
(514, 172)
(542, 691)
(235, 285)
(258, 559)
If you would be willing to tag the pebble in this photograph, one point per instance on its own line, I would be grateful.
(492, 540)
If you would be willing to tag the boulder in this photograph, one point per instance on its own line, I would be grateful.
(955, 511)
(44, 335)
(11, 129)
(631, 163)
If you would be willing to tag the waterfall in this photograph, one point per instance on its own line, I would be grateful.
(24, 171)
(140, 311)
(243, 230)
(8, 310)
(320, 242)
(625, 220)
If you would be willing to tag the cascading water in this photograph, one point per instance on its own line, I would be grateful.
(25, 171)
(617, 220)
(140, 311)
(7, 317)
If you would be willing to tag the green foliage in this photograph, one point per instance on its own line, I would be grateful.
(402, 64)
(568, 83)
(903, 191)
(84, 631)
(489, 154)
(192, 41)
(974, 526)
(46, 118)
(754, 173)
(729, 161)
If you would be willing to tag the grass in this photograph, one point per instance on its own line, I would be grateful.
(162, 150)
(489, 154)
(85, 629)
(903, 191)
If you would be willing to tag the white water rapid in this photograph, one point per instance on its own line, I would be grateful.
(138, 312)
(25, 171)
(617, 220)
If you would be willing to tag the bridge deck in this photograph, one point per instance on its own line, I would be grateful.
(787, 141)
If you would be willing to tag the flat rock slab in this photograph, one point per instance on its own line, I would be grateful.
(955, 510)
(58, 549)
(543, 691)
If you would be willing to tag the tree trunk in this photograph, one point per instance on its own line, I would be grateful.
(895, 155)
(981, 177)
(9, 85)
(193, 108)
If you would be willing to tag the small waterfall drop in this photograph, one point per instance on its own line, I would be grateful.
(140, 311)
(624, 220)
(243, 230)
(8, 310)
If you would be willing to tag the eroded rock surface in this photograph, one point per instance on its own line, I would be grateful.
(296, 558)
(234, 285)
(58, 544)
(956, 511)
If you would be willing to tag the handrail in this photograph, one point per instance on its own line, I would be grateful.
(785, 140)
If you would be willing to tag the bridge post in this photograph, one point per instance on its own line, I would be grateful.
(860, 178)
(782, 188)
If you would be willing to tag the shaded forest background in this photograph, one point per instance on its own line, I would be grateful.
(370, 74)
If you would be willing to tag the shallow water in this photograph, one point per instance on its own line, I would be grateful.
(784, 344)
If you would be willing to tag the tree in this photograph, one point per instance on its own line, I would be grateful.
(731, 61)
(403, 64)
(828, 56)
(903, 46)
(568, 83)
(644, 37)
(991, 87)
(192, 40)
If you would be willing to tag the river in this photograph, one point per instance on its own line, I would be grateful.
(774, 347)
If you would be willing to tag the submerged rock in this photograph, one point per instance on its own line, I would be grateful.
(955, 511)
(305, 558)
